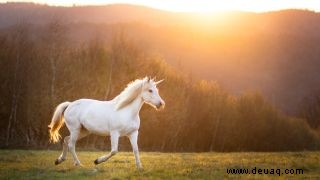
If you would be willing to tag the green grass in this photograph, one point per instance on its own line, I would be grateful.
(25, 164)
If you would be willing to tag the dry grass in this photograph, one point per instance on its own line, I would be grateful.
(25, 164)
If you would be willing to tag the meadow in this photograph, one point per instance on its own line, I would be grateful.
(34, 164)
(241, 88)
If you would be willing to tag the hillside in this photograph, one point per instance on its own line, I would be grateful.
(11, 13)
(276, 52)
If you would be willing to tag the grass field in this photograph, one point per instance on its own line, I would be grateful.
(25, 164)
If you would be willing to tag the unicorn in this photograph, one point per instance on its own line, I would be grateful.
(115, 118)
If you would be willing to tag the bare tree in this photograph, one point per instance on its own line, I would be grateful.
(20, 39)
(54, 38)
(310, 110)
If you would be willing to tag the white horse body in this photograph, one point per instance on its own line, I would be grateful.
(101, 118)
(115, 118)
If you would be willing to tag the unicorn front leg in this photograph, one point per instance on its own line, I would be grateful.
(114, 136)
(133, 137)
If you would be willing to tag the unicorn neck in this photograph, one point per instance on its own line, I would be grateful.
(135, 105)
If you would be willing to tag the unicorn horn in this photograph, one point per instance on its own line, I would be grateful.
(158, 82)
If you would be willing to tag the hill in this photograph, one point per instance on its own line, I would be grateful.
(275, 52)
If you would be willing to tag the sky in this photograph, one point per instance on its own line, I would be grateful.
(196, 5)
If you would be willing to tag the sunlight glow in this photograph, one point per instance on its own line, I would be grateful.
(203, 6)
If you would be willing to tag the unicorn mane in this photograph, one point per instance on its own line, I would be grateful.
(129, 94)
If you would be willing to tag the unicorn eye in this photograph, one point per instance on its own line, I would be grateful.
(150, 90)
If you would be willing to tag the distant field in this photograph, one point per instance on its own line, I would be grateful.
(24, 164)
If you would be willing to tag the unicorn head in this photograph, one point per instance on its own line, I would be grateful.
(150, 93)
(145, 88)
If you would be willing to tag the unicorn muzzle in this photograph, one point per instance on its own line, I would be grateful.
(161, 104)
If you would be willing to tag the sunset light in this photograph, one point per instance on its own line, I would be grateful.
(201, 89)
(201, 6)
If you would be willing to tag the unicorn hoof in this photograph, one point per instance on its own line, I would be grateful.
(96, 162)
(78, 164)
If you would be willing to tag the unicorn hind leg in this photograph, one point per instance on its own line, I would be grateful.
(70, 143)
(74, 136)
(63, 155)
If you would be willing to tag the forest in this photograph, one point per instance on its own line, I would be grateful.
(42, 66)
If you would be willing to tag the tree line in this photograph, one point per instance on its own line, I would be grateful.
(40, 69)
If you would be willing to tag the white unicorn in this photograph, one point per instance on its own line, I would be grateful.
(115, 118)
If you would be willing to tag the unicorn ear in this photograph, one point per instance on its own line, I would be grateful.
(158, 82)
(147, 79)
(154, 79)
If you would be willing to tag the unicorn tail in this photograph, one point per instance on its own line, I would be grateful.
(57, 122)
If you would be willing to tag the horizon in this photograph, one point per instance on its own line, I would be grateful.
(187, 7)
